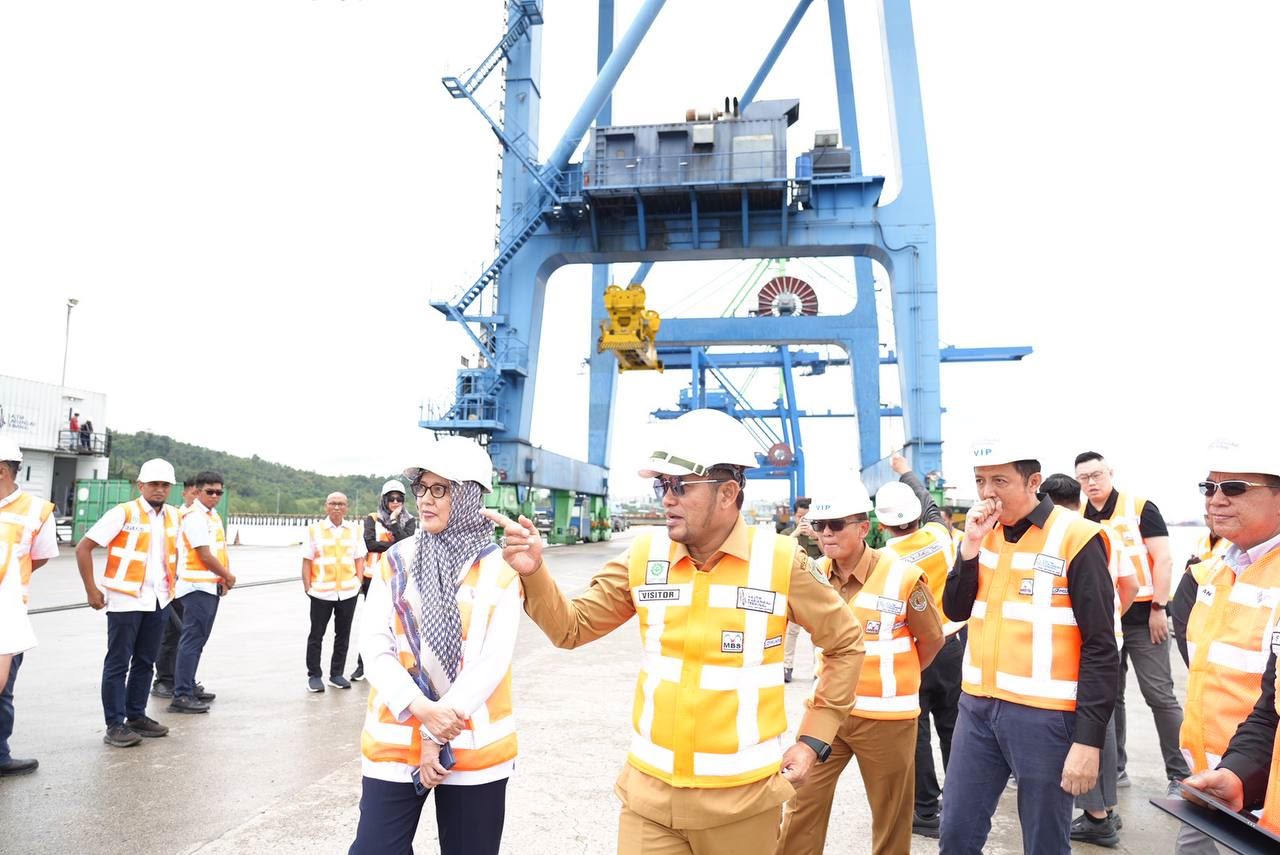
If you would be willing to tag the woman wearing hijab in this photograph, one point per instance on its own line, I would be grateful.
(391, 523)
(437, 635)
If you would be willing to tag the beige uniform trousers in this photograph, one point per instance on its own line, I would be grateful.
(886, 752)
(754, 835)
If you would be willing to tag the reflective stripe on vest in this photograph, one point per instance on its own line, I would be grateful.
(1024, 645)
(709, 708)
(333, 567)
(1228, 637)
(889, 683)
(933, 549)
(20, 520)
(193, 569)
(130, 549)
(489, 736)
(1126, 519)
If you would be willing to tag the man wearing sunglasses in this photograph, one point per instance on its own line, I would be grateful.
(1146, 624)
(333, 557)
(709, 766)
(1230, 627)
(1040, 671)
(204, 574)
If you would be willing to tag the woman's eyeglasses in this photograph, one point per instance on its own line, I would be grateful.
(437, 491)
(662, 486)
(1230, 489)
(397, 498)
(835, 525)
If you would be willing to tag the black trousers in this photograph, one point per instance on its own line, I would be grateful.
(469, 818)
(168, 655)
(343, 611)
(940, 698)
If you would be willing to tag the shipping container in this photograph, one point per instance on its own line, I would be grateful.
(95, 498)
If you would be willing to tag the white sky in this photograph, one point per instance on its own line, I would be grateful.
(254, 201)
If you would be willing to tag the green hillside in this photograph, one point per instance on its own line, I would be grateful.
(255, 485)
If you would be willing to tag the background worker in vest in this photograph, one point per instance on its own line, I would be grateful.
(733, 588)
(389, 524)
(1041, 670)
(902, 632)
(1098, 822)
(168, 655)
(1229, 629)
(28, 538)
(1146, 623)
(204, 575)
(805, 536)
(916, 530)
(1195, 573)
(446, 599)
(333, 558)
(141, 538)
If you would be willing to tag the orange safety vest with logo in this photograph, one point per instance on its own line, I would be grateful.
(193, 569)
(129, 550)
(333, 567)
(933, 549)
(709, 710)
(1228, 637)
(373, 561)
(1024, 645)
(19, 522)
(889, 683)
(1125, 520)
(489, 736)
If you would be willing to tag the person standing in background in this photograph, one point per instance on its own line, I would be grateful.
(808, 540)
(383, 528)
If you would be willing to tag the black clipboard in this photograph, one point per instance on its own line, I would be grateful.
(1239, 831)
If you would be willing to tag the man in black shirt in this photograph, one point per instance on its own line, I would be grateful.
(1146, 623)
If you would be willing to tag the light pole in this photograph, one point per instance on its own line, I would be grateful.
(72, 302)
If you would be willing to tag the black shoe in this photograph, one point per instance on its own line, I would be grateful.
(1116, 819)
(315, 684)
(1099, 832)
(1174, 790)
(202, 695)
(145, 726)
(121, 736)
(358, 674)
(786, 675)
(162, 689)
(18, 767)
(188, 705)
(338, 681)
(926, 826)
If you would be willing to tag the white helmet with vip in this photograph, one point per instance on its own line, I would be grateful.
(897, 504)
(995, 452)
(850, 499)
(9, 449)
(454, 457)
(698, 440)
(157, 470)
(392, 486)
(1240, 455)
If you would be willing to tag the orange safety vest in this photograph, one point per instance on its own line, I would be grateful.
(20, 520)
(129, 550)
(1228, 637)
(889, 683)
(381, 533)
(489, 736)
(933, 549)
(709, 709)
(1125, 520)
(333, 567)
(193, 569)
(1201, 569)
(1024, 645)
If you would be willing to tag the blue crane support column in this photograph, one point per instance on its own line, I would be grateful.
(753, 87)
(603, 367)
(865, 356)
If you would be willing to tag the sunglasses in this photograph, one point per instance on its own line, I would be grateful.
(1230, 488)
(662, 486)
(437, 491)
(835, 525)
(400, 499)
(208, 492)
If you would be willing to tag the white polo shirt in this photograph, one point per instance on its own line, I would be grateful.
(155, 592)
(360, 551)
(16, 634)
(195, 528)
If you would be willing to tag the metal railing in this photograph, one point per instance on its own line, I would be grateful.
(85, 442)
(660, 170)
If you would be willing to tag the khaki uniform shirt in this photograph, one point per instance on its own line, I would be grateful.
(811, 602)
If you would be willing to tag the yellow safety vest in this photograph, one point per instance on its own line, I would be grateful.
(932, 549)
(20, 520)
(333, 567)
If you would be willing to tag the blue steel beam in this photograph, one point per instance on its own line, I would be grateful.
(753, 87)
(602, 367)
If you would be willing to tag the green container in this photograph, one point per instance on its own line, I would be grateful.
(95, 497)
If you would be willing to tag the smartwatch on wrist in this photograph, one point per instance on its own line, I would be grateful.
(822, 749)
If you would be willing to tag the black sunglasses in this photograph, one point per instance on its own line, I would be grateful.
(396, 497)
(662, 486)
(208, 492)
(1230, 488)
(835, 525)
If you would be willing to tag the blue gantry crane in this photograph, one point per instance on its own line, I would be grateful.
(717, 186)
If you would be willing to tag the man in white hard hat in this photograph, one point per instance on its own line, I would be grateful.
(383, 528)
(136, 588)
(28, 538)
(902, 632)
(332, 566)
(1229, 630)
(915, 531)
(708, 768)
(1040, 671)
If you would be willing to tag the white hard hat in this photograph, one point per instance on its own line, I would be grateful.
(456, 458)
(994, 452)
(897, 504)
(9, 449)
(157, 470)
(698, 440)
(1240, 455)
(393, 486)
(848, 500)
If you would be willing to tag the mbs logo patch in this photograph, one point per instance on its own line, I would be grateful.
(731, 641)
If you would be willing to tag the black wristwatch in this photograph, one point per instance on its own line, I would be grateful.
(822, 749)
(1159, 606)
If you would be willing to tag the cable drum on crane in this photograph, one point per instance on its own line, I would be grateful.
(780, 454)
(787, 295)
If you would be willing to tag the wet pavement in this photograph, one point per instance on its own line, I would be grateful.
(273, 768)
